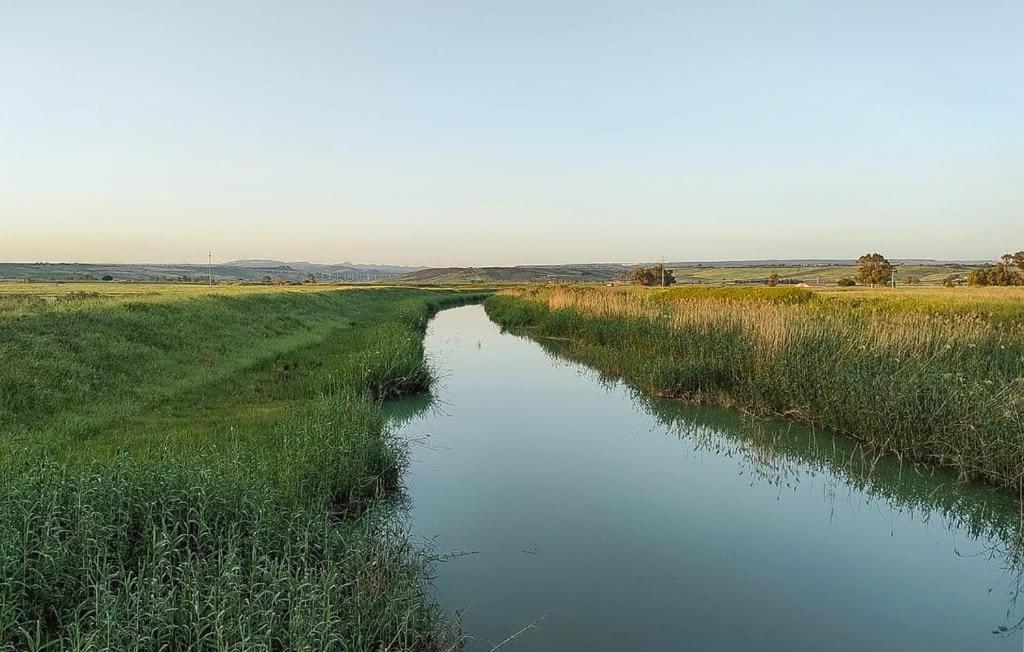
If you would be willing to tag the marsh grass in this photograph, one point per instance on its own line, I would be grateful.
(222, 489)
(909, 376)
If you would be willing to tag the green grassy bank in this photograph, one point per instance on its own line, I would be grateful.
(203, 470)
(919, 377)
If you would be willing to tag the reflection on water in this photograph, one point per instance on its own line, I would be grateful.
(599, 519)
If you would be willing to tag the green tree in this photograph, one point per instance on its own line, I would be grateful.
(951, 281)
(662, 275)
(657, 275)
(1018, 260)
(913, 280)
(979, 276)
(873, 269)
(1002, 273)
(640, 276)
(846, 283)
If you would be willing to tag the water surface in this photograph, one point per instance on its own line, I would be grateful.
(585, 517)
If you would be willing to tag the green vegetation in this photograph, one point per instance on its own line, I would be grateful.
(999, 274)
(934, 375)
(874, 269)
(656, 275)
(191, 468)
(252, 271)
(784, 273)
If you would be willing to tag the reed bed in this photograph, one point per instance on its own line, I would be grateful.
(210, 473)
(912, 377)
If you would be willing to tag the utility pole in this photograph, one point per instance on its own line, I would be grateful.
(893, 277)
(209, 266)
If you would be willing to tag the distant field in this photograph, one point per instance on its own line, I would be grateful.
(809, 272)
(254, 271)
(814, 275)
(823, 275)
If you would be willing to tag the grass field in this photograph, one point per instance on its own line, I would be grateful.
(192, 468)
(814, 275)
(934, 375)
(824, 275)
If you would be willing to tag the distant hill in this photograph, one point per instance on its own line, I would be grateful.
(586, 273)
(240, 270)
(811, 272)
(816, 262)
(320, 268)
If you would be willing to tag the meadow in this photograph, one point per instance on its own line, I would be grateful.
(932, 375)
(814, 275)
(184, 467)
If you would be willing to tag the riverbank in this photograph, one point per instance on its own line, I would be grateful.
(928, 377)
(203, 470)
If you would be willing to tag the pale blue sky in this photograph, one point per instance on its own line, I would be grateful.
(467, 133)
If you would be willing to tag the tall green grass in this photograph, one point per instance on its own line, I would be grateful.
(946, 389)
(207, 473)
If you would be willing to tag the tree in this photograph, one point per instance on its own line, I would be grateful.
(978, 276)
(951, 281)
(1018, 260)
(640, 276)
(657, 275)
(773, 279)
(846, 283)
(913, 280)
(999, 274)
(874, 269)
(662, 275)
(108, 277)
(1002, 275)
(1015, 260)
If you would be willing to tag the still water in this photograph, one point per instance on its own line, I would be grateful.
(580, 516)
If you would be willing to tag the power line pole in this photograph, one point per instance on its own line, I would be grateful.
(209, 266)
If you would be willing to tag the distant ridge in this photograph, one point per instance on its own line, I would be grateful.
(305, 266)
(236, 270)
(810, 271)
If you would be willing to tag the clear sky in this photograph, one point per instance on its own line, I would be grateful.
(470, 133)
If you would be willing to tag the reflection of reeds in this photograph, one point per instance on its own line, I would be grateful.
(784, 454)
(933, 385)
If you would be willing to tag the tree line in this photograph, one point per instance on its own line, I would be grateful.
(873, 269)
(657, 275)
(1008, 271)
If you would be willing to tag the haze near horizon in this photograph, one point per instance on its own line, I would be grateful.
(448, 134)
